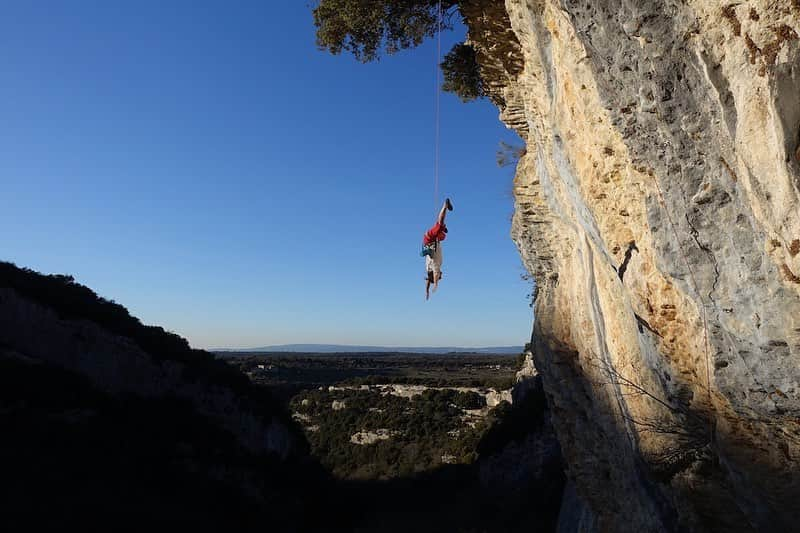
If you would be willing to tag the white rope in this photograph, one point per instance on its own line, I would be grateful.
(436, 88)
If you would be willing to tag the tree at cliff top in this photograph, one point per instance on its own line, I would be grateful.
(462, 75)
(367, 28)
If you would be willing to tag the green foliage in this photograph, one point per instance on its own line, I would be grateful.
(469, 400)
(364, 28)
(462, 75)
(485, 380)
(424, 428)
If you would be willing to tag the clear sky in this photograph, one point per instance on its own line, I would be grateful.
(203, 164)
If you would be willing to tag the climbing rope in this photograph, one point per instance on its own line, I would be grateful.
(436, 98)
(711, 422)
(694, 282)
(696, 290)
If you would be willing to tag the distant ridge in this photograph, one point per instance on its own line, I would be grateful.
(345, 348)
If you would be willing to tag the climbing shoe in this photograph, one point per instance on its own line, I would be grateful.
(448, 204)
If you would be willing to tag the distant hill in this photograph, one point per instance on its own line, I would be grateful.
(346, 348)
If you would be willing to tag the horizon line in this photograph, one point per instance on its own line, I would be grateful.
(390, 346)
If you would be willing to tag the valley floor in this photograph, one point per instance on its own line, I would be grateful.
(424, 443)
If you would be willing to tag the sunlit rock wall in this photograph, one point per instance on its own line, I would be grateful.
(658, 206)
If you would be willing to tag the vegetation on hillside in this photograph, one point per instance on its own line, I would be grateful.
(403, 483)
(498, 382)
(423, 430)
(73, 301)
(366, 29)
(288, 374)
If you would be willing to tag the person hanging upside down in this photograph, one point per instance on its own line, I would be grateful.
(432, 249)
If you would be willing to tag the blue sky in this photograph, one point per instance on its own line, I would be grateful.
(203, 164)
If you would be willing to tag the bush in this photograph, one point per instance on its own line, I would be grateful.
(469, 400)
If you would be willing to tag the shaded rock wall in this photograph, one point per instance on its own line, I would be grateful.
(658, 206)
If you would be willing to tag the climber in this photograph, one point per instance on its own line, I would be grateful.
(432, 249)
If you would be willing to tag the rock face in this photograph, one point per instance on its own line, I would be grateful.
(526, 378)
(494, 398)
(658, 206)
(371, 437)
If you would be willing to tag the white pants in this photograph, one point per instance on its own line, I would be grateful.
(433, 262)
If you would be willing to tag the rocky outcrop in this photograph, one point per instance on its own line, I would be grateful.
(526, 379)
(658, 207)
(371, 437)
(494, 398)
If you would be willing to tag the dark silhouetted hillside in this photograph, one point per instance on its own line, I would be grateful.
(73, 301)
(111, 424)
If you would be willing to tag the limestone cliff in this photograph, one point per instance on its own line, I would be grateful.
(658, 206)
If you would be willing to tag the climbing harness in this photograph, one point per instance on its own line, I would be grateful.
(429, 249)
